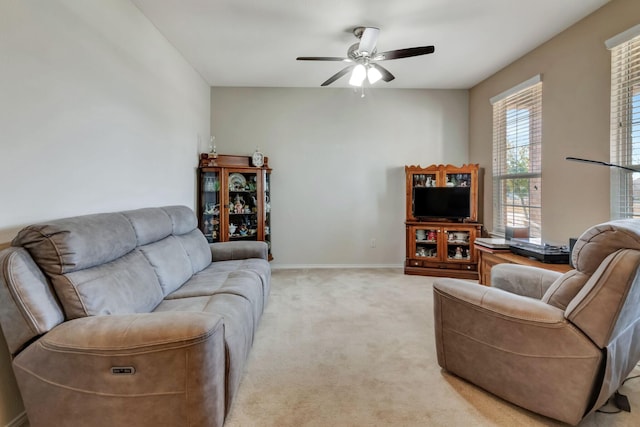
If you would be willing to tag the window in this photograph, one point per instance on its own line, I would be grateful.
(517, 159)
(625, 123)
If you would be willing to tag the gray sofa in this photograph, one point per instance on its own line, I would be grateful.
(130, 318)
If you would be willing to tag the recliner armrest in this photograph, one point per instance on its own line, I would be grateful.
(499, 302)
(523, 279)
(227, 251)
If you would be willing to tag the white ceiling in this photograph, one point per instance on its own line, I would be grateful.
(254, 43)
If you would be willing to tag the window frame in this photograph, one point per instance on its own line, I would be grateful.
(527, 94)
(625, 104)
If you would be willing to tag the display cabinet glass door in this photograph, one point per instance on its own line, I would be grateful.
(242, 205)
(210, 208)
(458, 245)
(426, 243)
(267, 210)
(458, 179)
(425, 180)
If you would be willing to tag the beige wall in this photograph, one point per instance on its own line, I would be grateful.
(575, 68)
(338, 162)
(98, 112)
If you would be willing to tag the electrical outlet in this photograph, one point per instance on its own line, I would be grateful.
(373, 243)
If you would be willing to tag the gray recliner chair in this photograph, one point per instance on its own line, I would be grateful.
(556, 344)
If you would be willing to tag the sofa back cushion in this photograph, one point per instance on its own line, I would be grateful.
(149, 224)
(72, 244)
(170, 262)
(121, 262)
(197, 248)
(126, 285)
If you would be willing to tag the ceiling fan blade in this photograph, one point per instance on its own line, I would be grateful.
(368, 40)
(386, 75)
(404, 53)
(337, 75)
(322, 58)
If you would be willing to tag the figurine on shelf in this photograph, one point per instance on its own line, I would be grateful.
(238, 204)
(212, 209)
(232, 229)
(243, 230)
(431, 235)
(458, 254)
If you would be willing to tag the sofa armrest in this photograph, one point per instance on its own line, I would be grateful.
(523, 280)
(227, 251)
(133, 331)
(150, 366)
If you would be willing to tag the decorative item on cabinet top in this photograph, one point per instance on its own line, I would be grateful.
(227, 160)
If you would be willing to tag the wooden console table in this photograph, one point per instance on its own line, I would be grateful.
(488, 257)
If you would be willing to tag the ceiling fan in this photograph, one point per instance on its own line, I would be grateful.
(364, 58)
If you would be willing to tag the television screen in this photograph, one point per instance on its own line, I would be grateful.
(442, 202)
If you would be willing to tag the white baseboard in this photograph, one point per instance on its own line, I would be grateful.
(311, 266)
(19, 421)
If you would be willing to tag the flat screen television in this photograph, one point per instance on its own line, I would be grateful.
(442, 202)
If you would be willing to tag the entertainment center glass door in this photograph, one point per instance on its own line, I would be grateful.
(458, 179)
(425, 180)
(458, 247)
(426, 243)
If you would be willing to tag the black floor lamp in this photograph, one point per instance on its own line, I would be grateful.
(597, 162)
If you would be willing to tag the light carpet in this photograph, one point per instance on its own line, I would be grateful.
(355, 347)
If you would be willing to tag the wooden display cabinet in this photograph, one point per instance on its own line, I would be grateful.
(234, 199)
(442, 246)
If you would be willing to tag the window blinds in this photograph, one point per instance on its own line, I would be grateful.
(517, 158)
(625, 127)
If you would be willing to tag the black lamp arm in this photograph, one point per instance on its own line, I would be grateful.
(597, 162)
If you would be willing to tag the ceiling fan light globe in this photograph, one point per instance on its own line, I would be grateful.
(358, 75)
(373, 75)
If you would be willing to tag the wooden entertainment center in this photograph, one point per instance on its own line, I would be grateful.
(442, 246)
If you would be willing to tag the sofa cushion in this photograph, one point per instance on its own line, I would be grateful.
(237, 313)
(182, 218)
(126, 285)
(197, 248)
(258, 265)
(565, 288)
(149, 224)
(71, 244)
(170, 262)
(244, 283)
